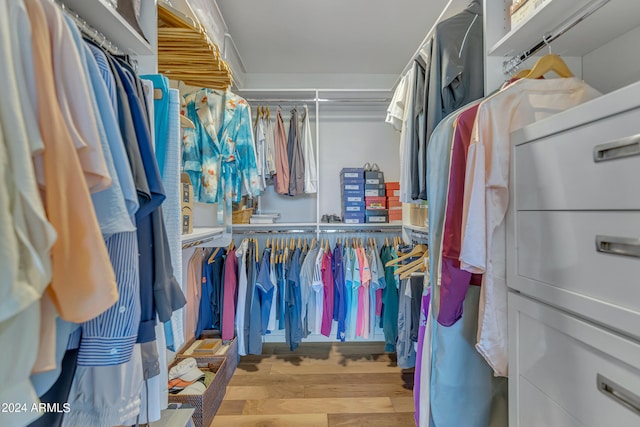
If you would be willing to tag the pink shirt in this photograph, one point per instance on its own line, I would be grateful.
(362, 321)
(230, 295)
(327, 307)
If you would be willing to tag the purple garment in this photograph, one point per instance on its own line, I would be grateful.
(454, 281)
(424, 314)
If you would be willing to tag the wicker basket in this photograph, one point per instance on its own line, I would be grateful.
(242, 216)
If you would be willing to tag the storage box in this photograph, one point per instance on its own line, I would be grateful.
(374, 193)
(374, 180)
(352, 173)
(523, 10)
(353, 187)
(393, 193)
(376, 202)
(352, 197)
(206, 405)
(395, 185)
(418, 215)
(395, 215)
(351, 181)
(355, 220)
(377, 215)
(394, 202)
(377, 175)
(353, 208)
(186, 199)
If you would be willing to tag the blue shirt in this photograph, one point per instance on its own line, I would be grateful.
(340, 294)
(265, 289)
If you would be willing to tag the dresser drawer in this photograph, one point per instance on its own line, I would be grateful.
(568, 372)
(592, 167)
(571, 258)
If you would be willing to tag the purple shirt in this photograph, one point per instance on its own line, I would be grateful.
(229, 295)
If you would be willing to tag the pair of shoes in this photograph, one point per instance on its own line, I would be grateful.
(330, 218)
(371, 167)
(334, 218)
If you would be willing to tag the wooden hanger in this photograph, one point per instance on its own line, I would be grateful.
(386, 241)
(232, 245)
(338, 240)
(213, 255)
(521, 74)
(313, 243)
(416, 251)
(550, 62)
(415, 267)
(412, 264)
(257, 250)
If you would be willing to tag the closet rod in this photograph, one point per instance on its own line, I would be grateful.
(511, 65)
(89, 31)
(198, 242)
(310, 100)
(316, 231)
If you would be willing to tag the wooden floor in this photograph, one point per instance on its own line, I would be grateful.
(319, 385)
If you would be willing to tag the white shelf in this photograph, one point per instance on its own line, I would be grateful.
(278, 225)
(416, 228)
(104, 18)
(609, 22)
(202, 234)
(366, 225)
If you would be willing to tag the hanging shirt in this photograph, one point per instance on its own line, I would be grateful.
(307, 275)
(273, 314)
(266, 288)
(293, 324)
(83, 283)
(390, 301)
(194, 291)
(241, 253)
(454, 282)
(486, 194)
(318, 291)
(230, 295)
(327, 281)
(209, 310)
(282, 158)
(340, 294)
(310, 170)
(457, 65)
(396, 108)
(362, 323)
(270, 147)
(406, 135)
(296, 157)
(260, 142)
(356, 283)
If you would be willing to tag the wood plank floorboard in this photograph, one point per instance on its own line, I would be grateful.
(319, 384)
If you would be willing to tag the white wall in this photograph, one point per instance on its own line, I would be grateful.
(350, 139)
(615, 64)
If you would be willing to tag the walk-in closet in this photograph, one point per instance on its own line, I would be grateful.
(317, 214)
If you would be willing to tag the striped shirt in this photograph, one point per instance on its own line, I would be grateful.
(109, 338)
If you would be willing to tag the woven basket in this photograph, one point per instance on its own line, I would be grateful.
(242, 216)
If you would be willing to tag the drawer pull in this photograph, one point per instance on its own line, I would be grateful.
(624, 147)
(619, 394)
(618, 246)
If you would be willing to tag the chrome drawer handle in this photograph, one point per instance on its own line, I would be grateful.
(624, 147)
(619, 394)
(618, 246)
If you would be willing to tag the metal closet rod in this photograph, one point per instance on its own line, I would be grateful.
(89, 31)
(317, 231)
(511, 65)
(313, 100)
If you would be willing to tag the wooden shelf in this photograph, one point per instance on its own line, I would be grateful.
(609, 22)
(104, 18)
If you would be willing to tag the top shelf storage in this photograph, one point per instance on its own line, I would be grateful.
(614, 19)
(103, 17)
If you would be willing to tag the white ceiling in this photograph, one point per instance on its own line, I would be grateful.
(328, 36)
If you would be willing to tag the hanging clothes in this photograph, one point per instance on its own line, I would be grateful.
(310, 169)
(328, 294)
(293, 323)
(219, 154)
(266, 289)
(295, 156)
(456, 74)
(282, 157)
(390, 301)
(241, 253)
(230, 295)
(270, 146)
(340, 312)
(486, 194)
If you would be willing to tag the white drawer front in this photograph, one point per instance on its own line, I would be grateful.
(559, 250)
(559, 172)
(556, 361)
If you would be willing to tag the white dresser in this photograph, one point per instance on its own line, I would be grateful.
(573, 267)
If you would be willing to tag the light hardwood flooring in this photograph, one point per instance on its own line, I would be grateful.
(319, 385)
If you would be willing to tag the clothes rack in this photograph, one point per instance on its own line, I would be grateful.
(511, 65)
(321, 230)
(310, 100)
(89, 31)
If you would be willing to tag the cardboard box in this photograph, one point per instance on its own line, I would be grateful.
(377, 175)
(523, 10)
(186, 199)
(377, 215)
(374, 193)
(353, 187)
(375, 202)
(394, 202)
(395, 216)
(352, 173)
(395, 185)
(353, 208)
(352, 197)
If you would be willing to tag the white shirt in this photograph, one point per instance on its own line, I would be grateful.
(486, 195)
(310, 171)
(242, 297)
